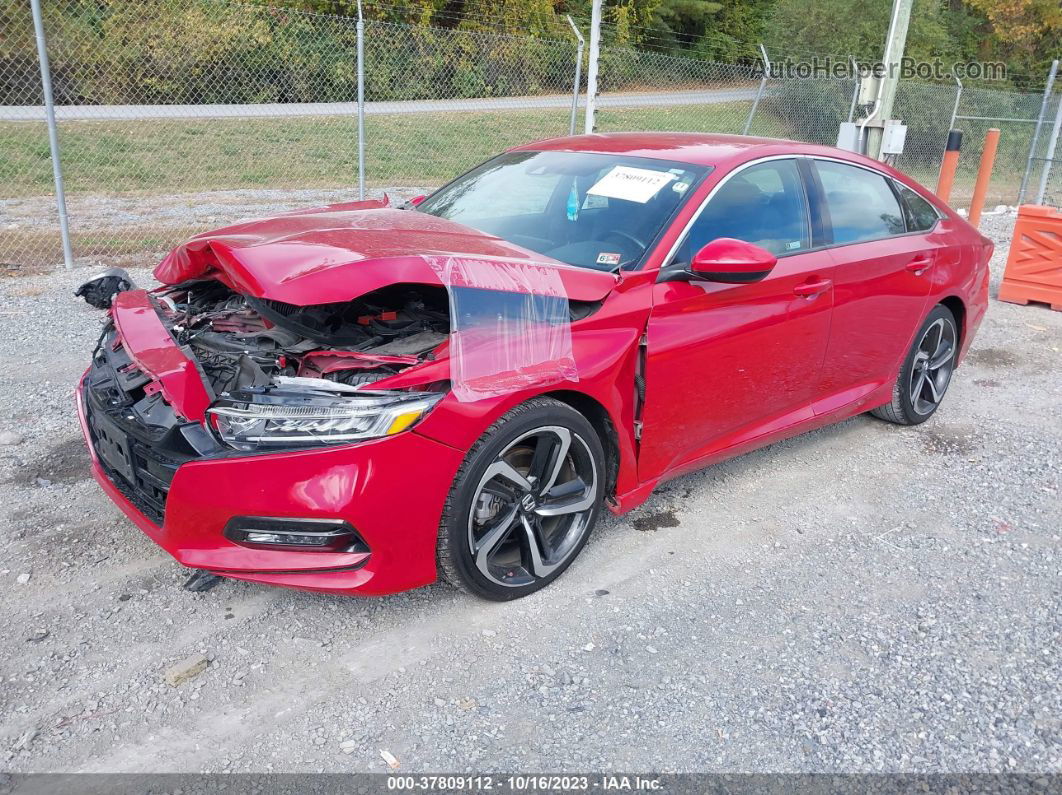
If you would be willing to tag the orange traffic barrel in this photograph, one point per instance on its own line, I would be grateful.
(1034, 265)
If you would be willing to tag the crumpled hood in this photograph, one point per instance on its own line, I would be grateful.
(337, 253)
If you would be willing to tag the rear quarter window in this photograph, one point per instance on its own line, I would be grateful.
(921, 215)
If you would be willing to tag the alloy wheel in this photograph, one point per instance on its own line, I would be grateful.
(533, 506)
(933, 365)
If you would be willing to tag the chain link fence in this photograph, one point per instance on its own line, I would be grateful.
(180, 115)
(1051, 173)
(930, 110)
(442, 101)
(650, 91)
(172, 117)
(805, 109)
(176, 116)
(811, 109)
(1045, 163)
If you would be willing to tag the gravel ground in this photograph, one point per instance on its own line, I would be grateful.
(860, 598)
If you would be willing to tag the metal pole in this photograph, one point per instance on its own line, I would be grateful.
(948, 164)
(955, 107)
(1036, 133)
(984, 176)
(855, 91)
(591, 71)
(894, 46)
(578, 75)
(759, 91)
(361, 104)
(1049, 161)
(53, 133)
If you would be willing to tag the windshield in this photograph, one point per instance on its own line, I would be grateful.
(590, 210)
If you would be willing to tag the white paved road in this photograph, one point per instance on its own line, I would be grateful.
(277, 109)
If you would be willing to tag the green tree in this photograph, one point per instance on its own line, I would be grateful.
(797, 28)
(1024, 34)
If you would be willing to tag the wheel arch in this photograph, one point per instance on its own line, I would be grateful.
(601, 420)
(958, 310)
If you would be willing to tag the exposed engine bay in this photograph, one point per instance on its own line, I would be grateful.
(267, 375)
(206, 365)
(241, 341)
(343, 331)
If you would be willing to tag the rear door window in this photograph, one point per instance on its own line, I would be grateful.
(861, 204)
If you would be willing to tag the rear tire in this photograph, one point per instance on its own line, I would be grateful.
(926, 371)
(523, 503)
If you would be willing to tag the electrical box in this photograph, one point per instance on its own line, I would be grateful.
(848, 136)
(893, 137)
(868, 88)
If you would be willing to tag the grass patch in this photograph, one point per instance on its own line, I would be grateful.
(191, 155)
(160, 157)
(164, 156)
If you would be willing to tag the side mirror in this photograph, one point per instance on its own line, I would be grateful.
(732, 262)
(417, 199)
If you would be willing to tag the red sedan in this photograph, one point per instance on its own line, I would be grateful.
(362, 398)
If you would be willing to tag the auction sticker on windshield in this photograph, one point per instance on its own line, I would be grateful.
(632, 184)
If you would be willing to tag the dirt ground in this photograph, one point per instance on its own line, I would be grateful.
(861, 598)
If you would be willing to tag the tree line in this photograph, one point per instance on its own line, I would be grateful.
(196, 51)
(1023, 34)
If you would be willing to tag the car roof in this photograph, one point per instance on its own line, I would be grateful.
(707, 149)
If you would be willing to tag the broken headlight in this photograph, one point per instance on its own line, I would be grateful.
(270, 416)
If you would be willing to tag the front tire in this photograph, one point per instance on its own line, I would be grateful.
(926, 371)
(523, 503)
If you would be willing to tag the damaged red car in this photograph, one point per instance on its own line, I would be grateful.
(362, 398)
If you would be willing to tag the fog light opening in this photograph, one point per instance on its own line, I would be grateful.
(311, 535)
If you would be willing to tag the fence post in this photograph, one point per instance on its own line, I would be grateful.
(578, 75)
(1049, 161)
(955, 107)
(53, 134)
(1036, 131)
(759, 91)
(591, 69)
(855, 91)
(361, 104)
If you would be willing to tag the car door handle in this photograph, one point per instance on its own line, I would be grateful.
(920, 264)
(812, 289)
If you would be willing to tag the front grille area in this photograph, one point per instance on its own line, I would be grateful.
(145, 479)
(140, 458)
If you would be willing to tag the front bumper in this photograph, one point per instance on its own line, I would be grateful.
(390, 490)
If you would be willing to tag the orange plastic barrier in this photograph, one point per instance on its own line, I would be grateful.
(1034, 265)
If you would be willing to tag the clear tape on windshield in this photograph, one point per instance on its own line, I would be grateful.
(510, 325)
